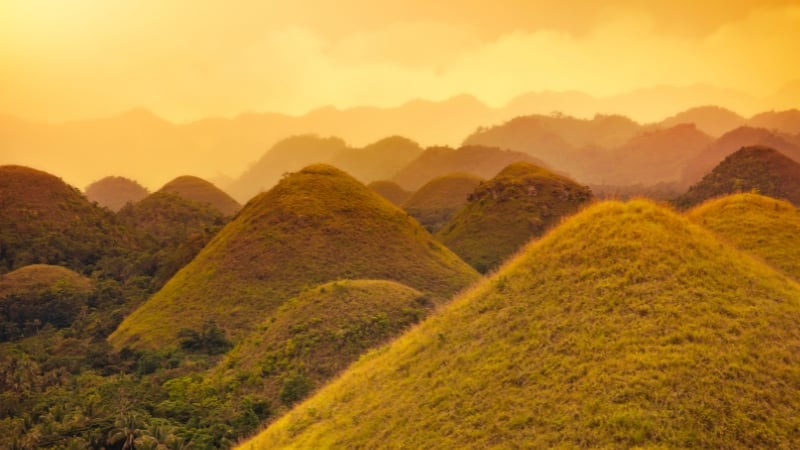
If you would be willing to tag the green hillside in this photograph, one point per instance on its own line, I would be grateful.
(477, 160)
(521, 202)
(44, 220)
(202, 191)
(40, 294)
(115, 192)
(314, 336)
(390, 191)
(435, 203)
(762, 226)
(174, 229)
(627, 326)
(316, 225)
(751, 168)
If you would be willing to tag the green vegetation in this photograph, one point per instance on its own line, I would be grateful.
(521, 202)
(45, 221)
(435, 203)
(390, 191)
(173, 230)
(313, 337)
(201, 191)
(484, 162)
(751, 168)
(762, 226)
(315, 226)
(626, 326)
(115, 192)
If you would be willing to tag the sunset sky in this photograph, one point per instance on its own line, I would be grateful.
(186, 59)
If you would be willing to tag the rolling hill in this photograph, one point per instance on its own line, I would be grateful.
(751, 168)
(202, 191)
(315, 226)
(763, 226)
(42, 276)
(44, 220)
(481, 161)
(115, 192)
(627, 326)
(521, 202)
(390, 191)
(435, 203)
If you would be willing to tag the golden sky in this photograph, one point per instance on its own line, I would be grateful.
(185, 59)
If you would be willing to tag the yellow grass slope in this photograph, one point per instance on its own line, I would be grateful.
(763, 226)
(315, 226)
(626, 326)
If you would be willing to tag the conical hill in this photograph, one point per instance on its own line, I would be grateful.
(115, 192)
(750, 168)
(316, 225)
(521, 202)
(763, 226)
(202, 191)
(626, 326)
(44, 220)
(390, 190)
(316, 335)
(435, 203)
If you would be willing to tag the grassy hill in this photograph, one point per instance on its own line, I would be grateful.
(696, 168)
(44, 220)
(763, 226)
(435, 203)
(521, 202)
(115, 192)
(481, 161)
(377, 161)
(315, 226)
(316, 335)
(174, 228)
(627, 326)
(38, 295)
(751, 168)
(390, 191)
(202, 191)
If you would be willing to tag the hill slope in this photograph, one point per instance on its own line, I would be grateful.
(202, 191)
(521, 202)
(759, 168)
(762, 226)
(115, 192)
(44, 220)
(712, 120)
(316, 225)
(377, 161)
(481, 161)
(435, 203)
(626, 326)
(390, 191)
(316, 335)
(41, 276)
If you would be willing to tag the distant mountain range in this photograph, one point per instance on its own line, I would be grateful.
(219, 149)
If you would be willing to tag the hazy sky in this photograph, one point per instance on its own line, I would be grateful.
(184, 59)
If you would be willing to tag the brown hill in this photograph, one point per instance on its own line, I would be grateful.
(484, 162)
(44, 220)
(378, 161)
(202, 191)
(760, 169)
(711, 120)
(390, 191)
(435, 203)
(782, 121)
(712, 155)
(115, 192)
(521, 202)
